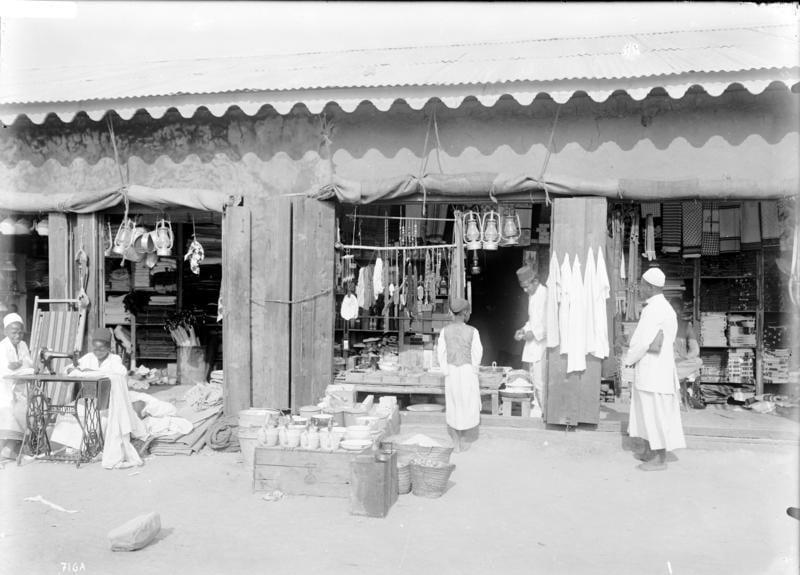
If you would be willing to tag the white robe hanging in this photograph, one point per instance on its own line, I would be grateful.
(576, 346)
(564, 285)
(602, 293)
(552, 301)
(589, 278)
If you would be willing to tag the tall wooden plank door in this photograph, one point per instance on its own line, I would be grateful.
(573, 398)
(271, 293)
(314, 227)
(236, 335)
(59, 257)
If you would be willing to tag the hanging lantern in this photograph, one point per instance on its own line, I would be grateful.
(511, 228)
(472, 230)
(124, 236)
(476, 267)
(164, 238)
(491, 230)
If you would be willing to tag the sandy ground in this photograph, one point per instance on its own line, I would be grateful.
(521, 501)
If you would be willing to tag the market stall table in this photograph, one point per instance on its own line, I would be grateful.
(42, 412)
(421, 389)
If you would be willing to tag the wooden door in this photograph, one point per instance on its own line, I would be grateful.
(313, 237)
(577, 225)
(236, 333)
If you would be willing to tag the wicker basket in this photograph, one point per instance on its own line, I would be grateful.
(429, 478)
(406, 453)
(404, 478)
(491, 377)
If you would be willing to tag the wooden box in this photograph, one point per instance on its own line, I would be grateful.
(303, 472)
(373, 488)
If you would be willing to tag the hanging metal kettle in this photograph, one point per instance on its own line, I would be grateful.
(491, 230)
(164, 238)
(472, 230)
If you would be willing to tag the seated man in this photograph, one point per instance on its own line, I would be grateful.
(15, 359)
(123, 423)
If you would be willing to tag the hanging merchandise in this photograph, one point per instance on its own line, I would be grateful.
(553, 291)
(576, 350)
(195, 255)
(565, 281)
(82, 259)
(472, 230)
(163, 238)
(360, 288)
(589, 279)
(602, 292)
(649, 239)
(349, 307)
(511, 228)
(377, 277)
(632, 290)
(491, 230)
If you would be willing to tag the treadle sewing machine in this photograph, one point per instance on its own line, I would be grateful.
(46, 357)
(50, 395)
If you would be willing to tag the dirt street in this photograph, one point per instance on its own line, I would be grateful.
(522, 501)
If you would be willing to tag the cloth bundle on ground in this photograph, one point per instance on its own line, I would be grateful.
(136, 533)
(222, 435)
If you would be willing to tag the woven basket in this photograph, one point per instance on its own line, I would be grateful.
(406, 453)
(491, 377)
(404, 479)
(429, 478)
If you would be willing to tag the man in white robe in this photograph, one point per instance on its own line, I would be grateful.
(655, 402)
(534, 333)
(123, 423)
(15, 359)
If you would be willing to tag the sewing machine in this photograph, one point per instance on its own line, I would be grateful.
(46, 356)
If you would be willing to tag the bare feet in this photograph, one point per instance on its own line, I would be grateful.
(652, 465)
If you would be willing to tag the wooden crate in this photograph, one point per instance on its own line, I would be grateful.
(303, 472)
(374, 487)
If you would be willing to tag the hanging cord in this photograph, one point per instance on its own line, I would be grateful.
(424, 160)
(292, 301)
(547, 157)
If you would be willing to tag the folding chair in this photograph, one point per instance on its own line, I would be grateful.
(58, 328)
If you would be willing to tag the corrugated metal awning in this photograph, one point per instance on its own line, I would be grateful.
(636, 64)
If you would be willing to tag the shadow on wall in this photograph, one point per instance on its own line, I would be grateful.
(696, 117)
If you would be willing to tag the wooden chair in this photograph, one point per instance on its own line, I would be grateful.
(58, 325)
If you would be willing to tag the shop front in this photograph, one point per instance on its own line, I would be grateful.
(277, 175)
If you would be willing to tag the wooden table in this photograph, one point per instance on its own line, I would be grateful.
(42, 412)
(377, 387)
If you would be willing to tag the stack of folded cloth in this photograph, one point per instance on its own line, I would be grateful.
(776, 365)
(115, 311)
(216, 377)
(739, 368)
(712, 369)
(712, 329)
(120, 280)
(162, 300)
(141, 275)
(741, 330)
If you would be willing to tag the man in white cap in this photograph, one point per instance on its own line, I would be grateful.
(655, 414)
(15, 359)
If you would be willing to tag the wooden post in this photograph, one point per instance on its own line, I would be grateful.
(59, 256)
(271, 285)
(87, 236)
(313, 237)
(236, 244)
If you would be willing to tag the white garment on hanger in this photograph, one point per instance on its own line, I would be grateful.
(360, 288)
(377, 277)
(589, 277)
(565, 282)
(602, 293)
(552, 301)
(576, 349)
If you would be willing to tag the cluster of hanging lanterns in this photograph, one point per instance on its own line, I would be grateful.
(489, 231)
